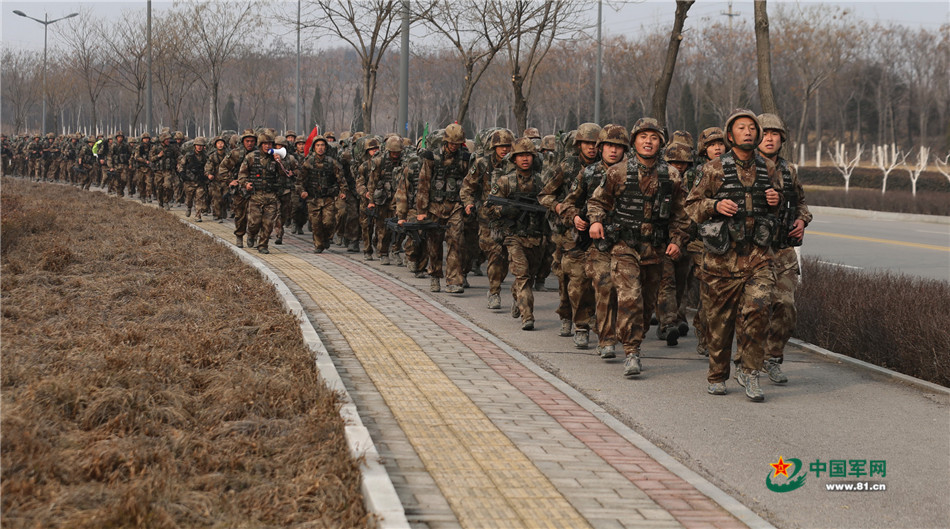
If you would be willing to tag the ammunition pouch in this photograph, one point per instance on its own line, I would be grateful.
(715, 235)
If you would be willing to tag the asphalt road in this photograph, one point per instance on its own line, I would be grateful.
(907, 247)
(828, 411)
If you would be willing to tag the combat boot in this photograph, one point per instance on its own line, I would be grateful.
(384, 259)
(263, 250)
(465, 283)
(582, 339)
(716, 388)
(631, 366)
(338, 240)
(354, 247)
(188, 213)
(435, 285)
(396, 258)
(494, 301)
(251, 242)
(279, 240)
(606, 351)
(566, 327)
(240, 242)
(421, 274)
(515, 311)
(683, 328)
(774, 369)
(454, 289)
(368, 256)
(750, 381)
(198, 217)
(527, 325)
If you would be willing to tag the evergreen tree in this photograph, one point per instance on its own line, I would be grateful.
(688, 110)
(357, 124)
(229, 117)
(316, 109)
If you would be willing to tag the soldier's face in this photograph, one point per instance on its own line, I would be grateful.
(647, 143)
(743, 133)
(393, 155)
(266, 146)
(199, 148)
(502, 150)
(249, 142)
(320, 148)
(452, 147)
(373, 151)
(219, 145)
(524, 160)
(680, 166)
(771, 142)
(715, 149)
(588, 149)
(611, 153)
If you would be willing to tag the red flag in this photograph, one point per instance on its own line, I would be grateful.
(313, 134)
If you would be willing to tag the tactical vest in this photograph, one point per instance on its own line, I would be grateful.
(570, 166)
(733, 189)
(122, 154)
(193, 168)
(788, 208)
(385, 184)
(412, 178)
(142, 152)
(528, 224)
(263, 173)
(322, 181)
(446, 179)
(167, 162)
(638, 217)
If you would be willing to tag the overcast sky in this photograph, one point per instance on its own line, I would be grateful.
(620, 16)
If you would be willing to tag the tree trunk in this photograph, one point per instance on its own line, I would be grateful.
(369, 90)
(662, 86)
(763, 54)
(466, 97)
(215, 115)
(520, 105)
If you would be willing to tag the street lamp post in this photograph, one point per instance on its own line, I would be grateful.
(46, 22)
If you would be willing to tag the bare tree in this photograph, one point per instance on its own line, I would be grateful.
(173, 76)
(763, 55)
(218, 33)
(886, 162)
(475, 40)
(533, 27)
(126, 50)
(839, 158)
(923, 155)
(662, 87)
(21, 73)
(943, 166)
(86, 55)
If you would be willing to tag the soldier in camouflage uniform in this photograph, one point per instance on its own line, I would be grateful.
(361, 177)
(405, 199)
(522, 232)
(285, 196)
(348, 209)
(735, 203)
(438, 198)
(229, 171)
(383, 178)
(164, 161)
(260, 176)
(218, 187)
(87, 160)
(576, 306)
(191, 167)
(142, 169)
(35, 157)
(785, 264)
(320, 183)
(670, 305)
(475, 188)
(298, 207)
(120, 154)
(645, 200)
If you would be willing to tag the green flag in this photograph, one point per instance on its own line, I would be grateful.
(425, 135)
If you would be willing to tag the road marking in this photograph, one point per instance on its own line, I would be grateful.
(937, 232)
(882, 241)
(841, 265)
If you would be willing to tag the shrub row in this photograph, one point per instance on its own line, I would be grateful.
(871, 178)
(894, 201)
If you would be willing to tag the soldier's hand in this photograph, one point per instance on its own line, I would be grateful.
(421, 217)
(727, 207)
(579, 223)
(233, 183)
(772, 196)
(798, 232)
(469, 208)
(367, 195)
(371, 205)
(342, 196)
(249, 186)
(210, 177)
(596, 231)
(401, 221)
(304, 195)
(673, 251)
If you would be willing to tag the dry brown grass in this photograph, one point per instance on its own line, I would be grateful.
(150, 379)
(901, 323)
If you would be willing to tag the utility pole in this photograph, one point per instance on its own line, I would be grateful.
(600, 58)
(148, 96)
(730, 14)
(297, 119)
(46, 22)
(404, 73)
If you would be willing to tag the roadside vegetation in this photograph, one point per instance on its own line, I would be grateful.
(825, 187)
(151, 379)
(894, 321)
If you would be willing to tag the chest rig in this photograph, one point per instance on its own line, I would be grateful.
(640, 216)
(446, 179)
(262, 172)
(322, 181)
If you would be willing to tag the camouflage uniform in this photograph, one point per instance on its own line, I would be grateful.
(285, 195)
(35, 157)
(522, 232)
(321, 178)
(361, 178)
(164, 161)
(261, 173)
(383, 178)
(475, 188)
(405, 200)
(141, 165)
(737, 290)
(348, 208)
(217, 186)
(88, 162)
(120, 154)
(646, 204)
(576, 293)
(191, 167)
(438, 198)
(228, 172)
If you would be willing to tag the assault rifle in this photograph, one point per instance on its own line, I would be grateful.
(786, 221)
(525, 203)
(417, 230)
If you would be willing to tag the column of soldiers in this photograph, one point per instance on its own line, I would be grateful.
(628, 221)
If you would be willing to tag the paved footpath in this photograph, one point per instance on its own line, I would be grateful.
(471, 436)
(473, 433)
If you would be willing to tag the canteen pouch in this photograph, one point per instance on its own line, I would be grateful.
(715, 236)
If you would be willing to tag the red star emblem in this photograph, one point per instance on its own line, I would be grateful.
(781, 467)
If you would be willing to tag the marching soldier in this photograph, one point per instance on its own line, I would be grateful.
(320, 183)
(142, 168)
(217, 186)
(120, 154)
(164, 161)
(380, 189)
(228, 171)
(259, 176)
(191, 167)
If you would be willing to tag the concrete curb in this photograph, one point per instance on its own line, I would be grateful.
(922, 384)
(880, 215)
(727, 502)
(379, 493)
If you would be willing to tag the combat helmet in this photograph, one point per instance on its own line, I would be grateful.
(179, 135)
(532, 132)
(146, 135)
(742, 113)
(201, 140)
(684, 137)
(773, 122)
(248, 133)
(371, 143)
(678, 152)
(280, 140)
(454, 134)
(290, 133)
(587, 132)
(615, 134)
(264, 137)
(708, 136)
(500, 138)
(549, 142)
(645, 124)
(523, 146)
(394, 143)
